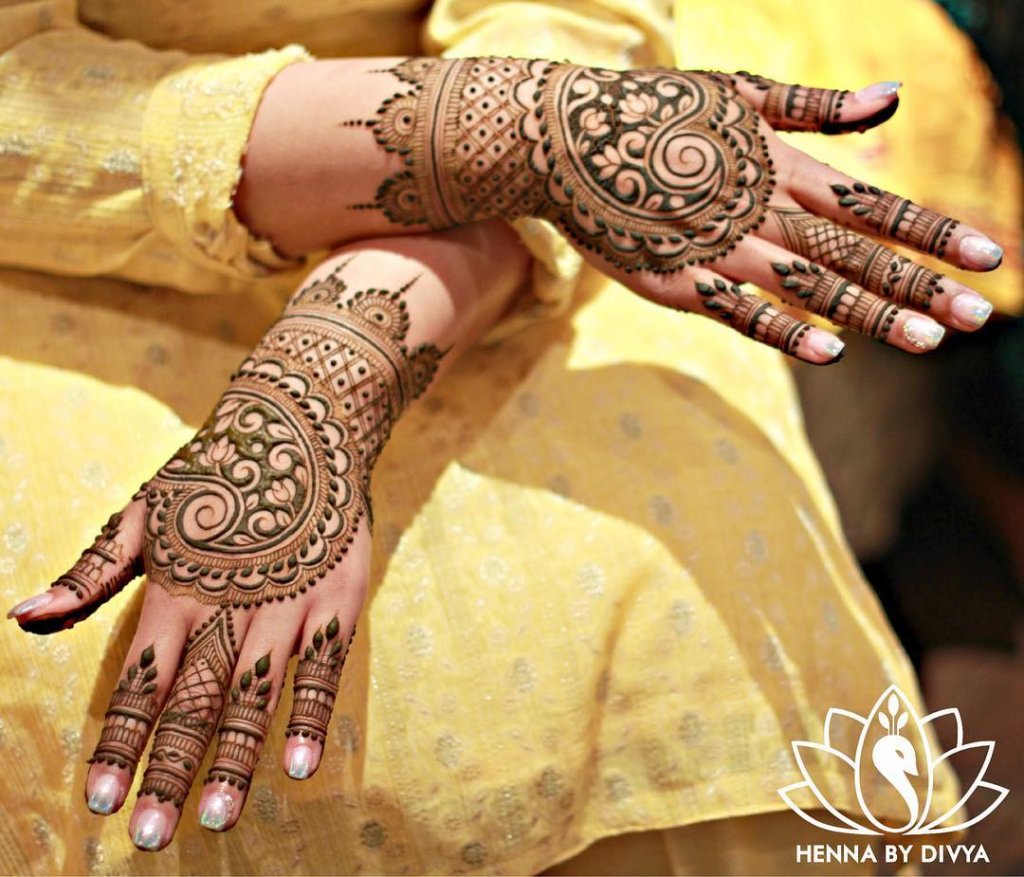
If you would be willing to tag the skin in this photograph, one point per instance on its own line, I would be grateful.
(281, 462)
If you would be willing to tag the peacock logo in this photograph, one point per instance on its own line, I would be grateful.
(892, 757)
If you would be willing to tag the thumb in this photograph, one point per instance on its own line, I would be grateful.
(827, 110)
(104, 568)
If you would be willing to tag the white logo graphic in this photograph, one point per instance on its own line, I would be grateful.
(901, 757)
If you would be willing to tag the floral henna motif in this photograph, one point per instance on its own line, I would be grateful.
(190, 716)
(753, 316)
(268, 496)
(104, 567)
(244, 727)
(873, 266)
(840, 300)
(651, 169)
(316, 682)
(891, 216)
(130, 715)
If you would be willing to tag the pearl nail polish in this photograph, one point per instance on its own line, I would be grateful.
(980, 252)
(971, 308)
(923, 334)
(217, 810)
(301, 763)
(825, 344)
(105, 792)
(149, 830)
(878, 91)
(31, 604)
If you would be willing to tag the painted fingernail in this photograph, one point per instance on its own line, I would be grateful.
(980, 252)
(825, 344)
(970, 307)
(923, 334)
(301, 763)
(217, 811)
(31, 604)
(149, 830)
(105, 792)
(879, 90)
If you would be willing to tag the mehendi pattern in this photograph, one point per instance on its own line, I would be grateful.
(267, 497)
(889, 215)
(316, 682)
(872, 265)
(193, 708)
(753, 316)
(650, 169)
(840, 300)
(244, 727)
(129, 717)
(103, 569)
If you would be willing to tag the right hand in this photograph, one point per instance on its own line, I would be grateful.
(676, 184)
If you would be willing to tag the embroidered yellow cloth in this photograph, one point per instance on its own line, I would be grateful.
(609, 585)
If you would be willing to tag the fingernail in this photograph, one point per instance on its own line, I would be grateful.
(31, 604)
(971, 308)
(825, 344)
(879, 90)
(217, 811)
(149, 830)
(923, 334)
(105, 792)
(301, 763)
(980, 252)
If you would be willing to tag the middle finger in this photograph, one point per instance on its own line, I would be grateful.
(876, 267)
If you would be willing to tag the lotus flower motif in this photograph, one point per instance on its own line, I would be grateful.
(892, 754)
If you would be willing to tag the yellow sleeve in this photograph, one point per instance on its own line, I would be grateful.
(602, 33)
(122, 160)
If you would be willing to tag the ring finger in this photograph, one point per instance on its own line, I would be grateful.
(876, 267)
(820, 291)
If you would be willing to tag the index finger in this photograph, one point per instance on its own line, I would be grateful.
(872, 210)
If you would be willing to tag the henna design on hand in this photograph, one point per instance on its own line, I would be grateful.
(316, 682)
(104, 568)
(130, 715)
(267, 497)
(889, 215)
(799, 107)
(839, 300)
(650, 169)
(753, 316)
(874, 266)
(244, 727)
(190, 716)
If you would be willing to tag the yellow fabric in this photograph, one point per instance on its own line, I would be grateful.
(609, 585)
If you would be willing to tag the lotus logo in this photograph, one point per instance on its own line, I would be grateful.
(892, 752)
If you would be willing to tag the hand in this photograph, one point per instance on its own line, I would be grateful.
(255, 540)
(676, 184)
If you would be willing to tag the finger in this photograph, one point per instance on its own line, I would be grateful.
(185, 728)
(315, 690)
(702, 290)
(820, 291)
(104, 568)
(145, 682)
(876, 267)
(789, 107)
(827, 192)
(252, 700)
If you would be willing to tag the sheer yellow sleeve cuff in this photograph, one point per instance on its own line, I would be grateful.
(195, 131)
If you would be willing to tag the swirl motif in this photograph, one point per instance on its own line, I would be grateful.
(652, 169)
(268, 495)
